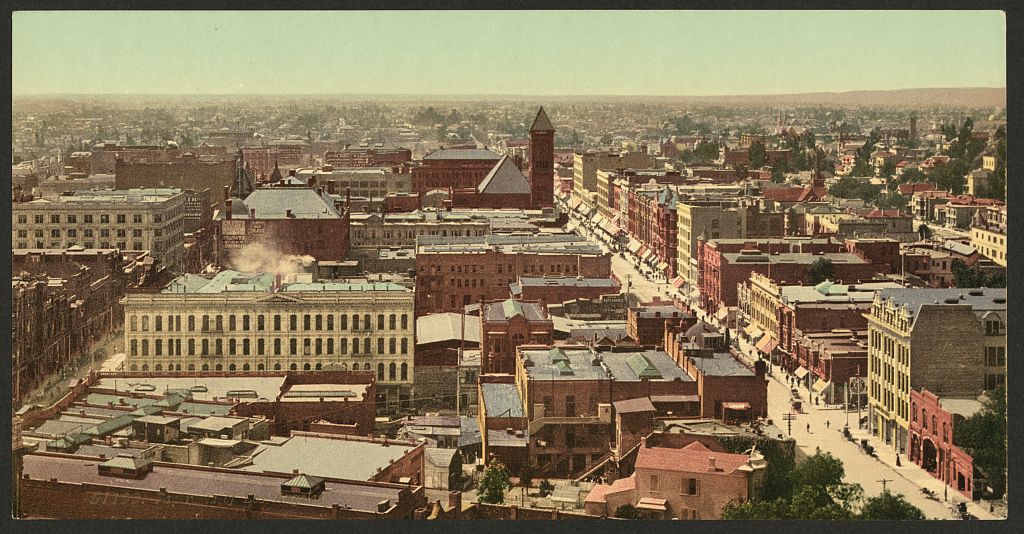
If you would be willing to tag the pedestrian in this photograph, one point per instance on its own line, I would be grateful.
(808, 428)
(898, 464)
(828, 423)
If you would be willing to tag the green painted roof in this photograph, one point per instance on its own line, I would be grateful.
(642, 366)
(109, 426)
(563, 367)
(511, 308)
(126, 461)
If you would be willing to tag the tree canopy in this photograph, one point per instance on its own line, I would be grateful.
(983, 436)
(757, 154)
(964, 276)
(493, 484)
(889, 507)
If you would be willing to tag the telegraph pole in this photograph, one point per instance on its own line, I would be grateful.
(884, 481)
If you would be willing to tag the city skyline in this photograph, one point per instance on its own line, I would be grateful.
(526, 53)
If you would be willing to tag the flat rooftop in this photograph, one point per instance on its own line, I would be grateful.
(326, 457)
(195, 480)
(721, 364)
(266, 387)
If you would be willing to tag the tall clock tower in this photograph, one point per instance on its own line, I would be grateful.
(542, 161)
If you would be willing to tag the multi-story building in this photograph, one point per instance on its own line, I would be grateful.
(935, 339)
(359, 182)
(628, 178)
(453, 168)
(558, 289)
(287, 219)
(725, 263)
(691, 482)
(586, 164)
(507, 324)
(652, 222)
(367, 156)
(938, 451)
(372, 231)
(645, 323)
(988, 233)
(542, 161)
(130, 220)
(933, 262)
(245, 322)
(185, 172)
(718, 218)
(454, 272)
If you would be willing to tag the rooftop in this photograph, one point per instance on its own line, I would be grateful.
(508, 244)
(194, 480)
(693, 458)
(326, 457)
(980, 300)
(501, 400)
(720, 364)
(448, 326)
(462, 153)
(507, 309)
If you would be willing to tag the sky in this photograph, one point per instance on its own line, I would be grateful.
(672, 53)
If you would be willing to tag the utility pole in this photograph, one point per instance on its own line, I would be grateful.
(884, 481)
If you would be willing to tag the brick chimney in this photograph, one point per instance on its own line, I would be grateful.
(455, 502)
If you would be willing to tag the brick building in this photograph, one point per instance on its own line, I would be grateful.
(552, 289)
(454, 272)
(936, 450)
(453, 168)
(345, 399)
(367, 156)
(951, 342)
(586, 164)
(184, 172)
(289, 219)
(542, 161)
(652, 222)
(504, 186)
(507, 324)
(62, 303)
(372, 231)
(358, 182)
(724, 263)
(645, 323)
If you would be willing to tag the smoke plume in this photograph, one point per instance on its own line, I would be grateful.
(257, 257)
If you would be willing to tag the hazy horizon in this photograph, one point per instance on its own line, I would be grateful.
(644, 54)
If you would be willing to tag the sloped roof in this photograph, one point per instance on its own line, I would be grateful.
(541, 123)
(694, 458)
(126, 461)
(462, 153)
(304, 481)
(505, 178)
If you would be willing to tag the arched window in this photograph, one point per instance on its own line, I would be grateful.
(145, 323)
(380, 371)
(245, 367)
(405, 371)
(305, 367)
(293, 367)
(277, 367)
(191, 367)
(318, 366)
(177, 367)
(134, 323)
(392, 369)
(206, 367)
(232, 367)
(158, 367)
(145, 367)
(134, 367)
(260, 367)
(219, 367)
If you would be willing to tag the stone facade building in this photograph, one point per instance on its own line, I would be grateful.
(951, 342)
(358, 182)
(239, 322)
(133, 220)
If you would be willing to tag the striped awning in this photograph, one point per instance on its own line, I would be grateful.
(613, 229)
(678, 282)
(599, 219)
(575, 204)
(646, 256)
(753, 331)
(767, 344)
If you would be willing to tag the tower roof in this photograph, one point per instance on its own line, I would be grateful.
(541, 122)
(275, 176)
(504, 178)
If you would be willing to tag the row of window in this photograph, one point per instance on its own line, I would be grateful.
(122, 245)
(309, 322)
(318, 346)
(88, 232)
(393, 371)
(87, 218)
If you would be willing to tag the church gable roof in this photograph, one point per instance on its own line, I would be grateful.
(505, 178)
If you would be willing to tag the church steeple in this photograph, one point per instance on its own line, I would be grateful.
(542, 158)
(275, 176)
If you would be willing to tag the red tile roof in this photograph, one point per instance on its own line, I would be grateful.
(909, 189)
(795, 194)
(693, 458)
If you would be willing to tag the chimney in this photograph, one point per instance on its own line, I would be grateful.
(712, 461)
(227, 192)
(332, 187)
(277, 281)
(383, 506)
(288, 213)
(252, 213)
(227, 208)
(455, 501)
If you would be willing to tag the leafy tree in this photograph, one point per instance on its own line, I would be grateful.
(606, 139)
(757, 154)
(819, 271)
(889, 507)
(892, 201)
(757, 510)
(495, 481)
(848, 187)
(821, 470)
(627, 511)
(526, 477)
(983, 436)
(924, 231)
(546, 487)
(706, 152)
(779, 172)
(952, 176)
(888, 169)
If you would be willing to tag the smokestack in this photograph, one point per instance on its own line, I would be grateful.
(227, 208)
(277, 282)
(252, 213)
(227, 192)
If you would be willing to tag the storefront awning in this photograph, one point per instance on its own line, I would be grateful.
(641, 251)
(801, 372)
(633, 246)
(738, 406)
(575, 204)
(695, 293)
(662, 266)
(650, 503)
(820, 386)
(646, 256)
(613, 229)
(678, 282)
(767, 344)
(722, 314)
(753, 331)
(599, 219)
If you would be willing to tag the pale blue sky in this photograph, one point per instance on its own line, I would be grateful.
(533, 52)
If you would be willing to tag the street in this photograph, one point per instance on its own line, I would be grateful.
(809, 427)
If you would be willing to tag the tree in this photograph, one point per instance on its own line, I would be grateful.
(606, 139)
(757, 154)
(526, 476)
(757, 510)
(495, 481)
(779, 173)
(892, 201)
(952, 176)
(822, 469)
(889, 507)
(546, 487)
(983, 436)
(706, 152)
(819, 271)
(627, 511)
(924, 231)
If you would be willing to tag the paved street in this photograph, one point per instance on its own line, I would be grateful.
(809, 427)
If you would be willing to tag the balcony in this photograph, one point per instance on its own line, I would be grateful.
(541, 422)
